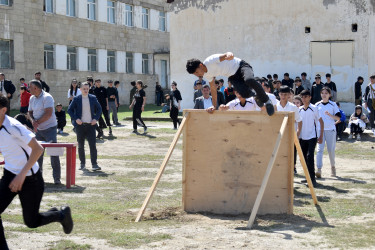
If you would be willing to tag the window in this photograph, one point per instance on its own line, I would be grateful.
(110, 12)
(145, 62)
(71, 7)
(71, 58)
(111, 61)
(4, 2)
(5, 54)
(49, 56)
(129, 62)
(48, 6)
(145, 18)
(91, 9)
(162, 21)
(128, 15)
(91, 59)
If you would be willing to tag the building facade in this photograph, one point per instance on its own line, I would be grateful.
(312, 36)
(64, 39)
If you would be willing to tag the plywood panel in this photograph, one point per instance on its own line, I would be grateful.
(225, 158)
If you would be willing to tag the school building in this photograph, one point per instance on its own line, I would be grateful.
(312, 36)
(122, 40)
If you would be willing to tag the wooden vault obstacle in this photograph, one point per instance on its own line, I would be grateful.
(225, 157)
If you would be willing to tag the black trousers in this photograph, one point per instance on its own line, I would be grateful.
(86, 131)
(372, 114)
(340, 128)
(243, 81)
(106, 117)
(308, 149)
(137, 119)
(174, 115)
(61, 124)
(30, 197)
(355, 129)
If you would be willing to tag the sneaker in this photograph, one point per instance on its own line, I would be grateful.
(67, 221)
(135, 131)
(358, 137)
(318, 173)
(82, 167)
(144, 129)
(270, 108)
(57, 182)
(58, 131)
(100, 134)
(259, 102)
(350, 136)
(96, 167)
(174, 128)
(117, 124)
(333, 171)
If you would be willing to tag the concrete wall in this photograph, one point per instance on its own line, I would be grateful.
(30, 28)
(270, 35)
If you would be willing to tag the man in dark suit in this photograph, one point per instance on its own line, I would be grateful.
(204, 101)
(45, 87)
(7, 89)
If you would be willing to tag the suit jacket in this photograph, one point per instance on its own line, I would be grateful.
(9, 88)
(199, 103)
(75, 108)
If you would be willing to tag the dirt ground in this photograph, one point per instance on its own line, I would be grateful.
(309, 227)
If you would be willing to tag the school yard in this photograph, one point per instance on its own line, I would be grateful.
(105, 203)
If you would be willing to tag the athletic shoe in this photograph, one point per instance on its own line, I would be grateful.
(117, 124)
(358, 137)
(333, 172)
(259, 102)
(82, 167)
(318, 173)
(67, 221)
(350, 136)
(96, 167)
(270, 108)
(57, 182)
(58, 131)
(144, 129)
(100, 134)
(135, 131)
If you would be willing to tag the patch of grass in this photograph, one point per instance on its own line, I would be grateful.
(133, 239)
(67, 244)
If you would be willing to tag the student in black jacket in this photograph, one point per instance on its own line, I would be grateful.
(358, 90)
(61, 118)
(315, 90)
(175, 104)
(37, 76)
(7, 89)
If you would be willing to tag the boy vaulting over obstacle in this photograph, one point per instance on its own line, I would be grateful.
(239, 73)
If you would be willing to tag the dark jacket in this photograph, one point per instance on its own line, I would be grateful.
(45, 87)
(9, 88)
(299, 90)
(75, 108)
(358, 90)
(315, 92)
(220, 98)
(289, 82)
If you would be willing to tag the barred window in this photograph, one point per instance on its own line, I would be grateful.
(71, 58)
(48, 6)
(71, 8)
(49, 56)
(145, 62)
(91, 59)
(162, 20)
(111, 60)
(6, 53)
(110, 12)
(91, 9)
(4, 2)
(145, 18)
(129, 15)
(129, 63)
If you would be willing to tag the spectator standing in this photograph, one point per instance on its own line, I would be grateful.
(138, 104)
(276, 86)
(158, 94)
(23, 177)
(7, 89)
(101, 94)
(267, 89)
(132, 91)
(332, 86)
(221, 86)
(358, 90)
(45, 87)
(205, 101)
(330, 113)
(220, 95)
(287, 81)
(42, 114)
(175, 104)
(90, 81)
(229, 94)
(23, 83)
(298, 85)
(117, 85)
(85, 111)
(198, 91)
(24, 98)
(73, 91)
(270, 80)
(340, 124)
(309, 134)
(315, 90)
(370, 101)
(357, 123)
(306, 84)
(200, 79)
(275, 77)
(112, 102)
(61, 118)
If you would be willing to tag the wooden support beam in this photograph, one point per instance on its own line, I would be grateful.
(267, 174)
(162, 168)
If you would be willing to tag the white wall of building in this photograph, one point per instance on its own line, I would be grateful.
(137, 63)
(120, 13)
(82, 54)
(82, 8)
(61, 7)
(102, 60)
(371, 47)
(101, 8)
(137, 16)
(120, 61)
(154, 19)
(61, 54)
(270, 35)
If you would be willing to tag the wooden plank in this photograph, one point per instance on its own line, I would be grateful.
(184, 163)
(268, 173)
(305, 170)
(290, 173)
(162, 168)
(226, 158)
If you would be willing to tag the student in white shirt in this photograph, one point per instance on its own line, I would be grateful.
(330, 113)
(239, 73)
(285, 105)
(73, 91)
(239, 103)
(23, 177)
(309, 133)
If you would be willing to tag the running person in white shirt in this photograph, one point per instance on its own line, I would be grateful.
(285, 105)
(309, 133)
(22, 176)
(239, 73)
(330, 113)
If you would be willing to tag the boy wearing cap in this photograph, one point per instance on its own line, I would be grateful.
(239, 73)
